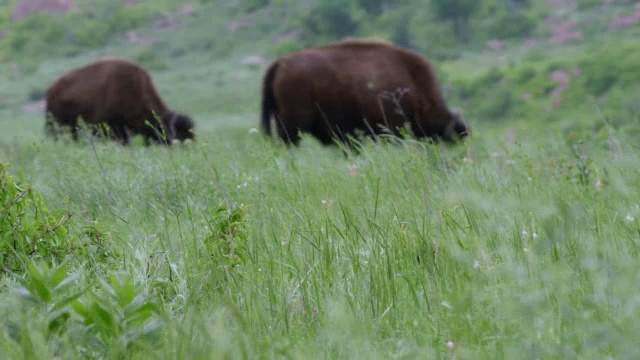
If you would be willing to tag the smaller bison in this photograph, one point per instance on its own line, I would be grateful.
(332, 91)
(118, 95)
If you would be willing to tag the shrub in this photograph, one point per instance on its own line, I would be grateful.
(251, 5)
(150, 60)
(328, 21)
(227, 237)
(89, 27)
(287, 46)
(29, 230)
(436, 40)
(506, 19)
(108, 321)
(118, 316)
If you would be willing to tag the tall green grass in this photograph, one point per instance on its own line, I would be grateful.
(236, 247)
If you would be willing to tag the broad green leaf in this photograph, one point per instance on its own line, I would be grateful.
(58, 275)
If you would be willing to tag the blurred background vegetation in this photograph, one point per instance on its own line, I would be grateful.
(526, 237)
(565, 63)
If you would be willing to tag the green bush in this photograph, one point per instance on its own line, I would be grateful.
(227, 238)
(29, 230)
(287, 46)
(597, 79)
(506, 19)
(458, 13)
(251, 5)
(436, 40)
(150, 60)
(328, 21)
(118, 316)
(106, 322)
(605, 67)
(91, 26)
(510, 25)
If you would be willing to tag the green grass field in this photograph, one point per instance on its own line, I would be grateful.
(496, 248)
(520, 243)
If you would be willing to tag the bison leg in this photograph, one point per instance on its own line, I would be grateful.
(288, 131)
(74, 132)
(119, 133)
(50, 127)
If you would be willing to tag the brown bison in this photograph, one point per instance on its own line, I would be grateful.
(333, 90)
(116, 93)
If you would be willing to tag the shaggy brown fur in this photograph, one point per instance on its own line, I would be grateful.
(333, 90)
(119, 94)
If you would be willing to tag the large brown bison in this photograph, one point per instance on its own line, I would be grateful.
(333, 90)
(116, 93)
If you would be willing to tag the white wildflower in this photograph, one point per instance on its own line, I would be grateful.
(598, 184)
(327, 203)
(353, 169)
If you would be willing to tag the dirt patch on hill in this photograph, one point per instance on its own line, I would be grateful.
(28, 7)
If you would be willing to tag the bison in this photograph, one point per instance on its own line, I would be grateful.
(117, 94)
(334, 90)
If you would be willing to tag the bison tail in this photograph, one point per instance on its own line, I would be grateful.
(269, 105)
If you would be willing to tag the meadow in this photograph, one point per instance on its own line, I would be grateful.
(519, 243)
(235, 247)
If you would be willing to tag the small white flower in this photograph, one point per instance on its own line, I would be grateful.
(447, 305)
(534, 235)
(524, 235)
(476, 264)
(599, 184)
(629, 218)
(327, 203)
(353, 169)
(525, 250)
(450, 345)
(241, 185)
(253, 131)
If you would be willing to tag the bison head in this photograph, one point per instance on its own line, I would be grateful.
(180, 126)
(456, 128)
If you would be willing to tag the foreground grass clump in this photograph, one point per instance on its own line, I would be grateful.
(29, 230)
(490, 249)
